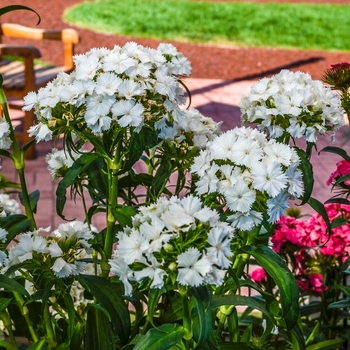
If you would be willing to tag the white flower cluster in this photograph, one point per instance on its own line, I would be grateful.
(250, 173)
(59, 251)
(174, 240)
(292, 103)
(5, 141)
(124, 87)
(59, 161)
(200, 129)
(8, 206)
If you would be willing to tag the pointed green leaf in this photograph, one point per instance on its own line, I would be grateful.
(319, 207)
(78, 167)
(33, 198)
(14, 225)
(298, 338)
(77, 337)
(202, 296)
(241, 300)
(326, 345)
(345, 303)
(99, 332)
(308, 175)
(98, 179)
(109, 297)
(4, 303)
(161, 338)
(237, 346)
(38, 345)
(124, 215)
(153, 299)
(337, 200)
(275, 266)
(161, 178)
(11, 285)
(6, 345)
(337, 150)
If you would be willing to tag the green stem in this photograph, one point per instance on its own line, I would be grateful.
(6, 319)
(25, 313)
(186, 317)
(242, 259)
(26, 200)
(111, 207)
(18, 160)
(50, 335)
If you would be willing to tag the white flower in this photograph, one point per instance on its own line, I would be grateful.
(292, 103)
(277, 206)
(107, 83)
(27, 245)
(269, 177)
(245, 221)
(131, 113)
(153, 272)
(220, 252)
(132, 246)
(192, 267)
(41, 132)
(129, 89)
(3, 234)
(55, 250)
(120, 268)
(247, 152)
(63, 269)
(166, 84)
(239, 197)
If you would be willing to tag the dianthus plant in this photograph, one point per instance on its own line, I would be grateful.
(116, 108)
(249, 175)
(292, 104)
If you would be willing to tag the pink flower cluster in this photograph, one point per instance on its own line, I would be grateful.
(309, 249)
(343, 168)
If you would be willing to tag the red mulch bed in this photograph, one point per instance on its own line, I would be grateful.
(208, 61)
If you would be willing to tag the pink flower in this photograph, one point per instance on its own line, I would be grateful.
(258, 275)
(343, 168)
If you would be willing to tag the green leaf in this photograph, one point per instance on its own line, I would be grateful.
(298, 337)
(326, 345)
(38, 345)
(11, 285)
(77, 337)
(275, 266)
(337, 150)
(202, 296)
(106, 293)
(124, 215)
(345, 303)
(97, 174)
(161, 338)
(337, 200)
(6, 345)
(33, 198)
(99, 332)
(254, 303)
(14, 225)
(237, 346)
(161, 178)
(308, 175)
(338, 222)
(319, 207)
(78, 167)
(153, 299)
(11, 8)
(4, 303)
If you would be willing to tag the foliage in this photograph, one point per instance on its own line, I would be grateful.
(307, 26)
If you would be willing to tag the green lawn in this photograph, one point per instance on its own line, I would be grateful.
(306, 26)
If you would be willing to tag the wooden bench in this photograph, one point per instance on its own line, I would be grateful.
(21, 77)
